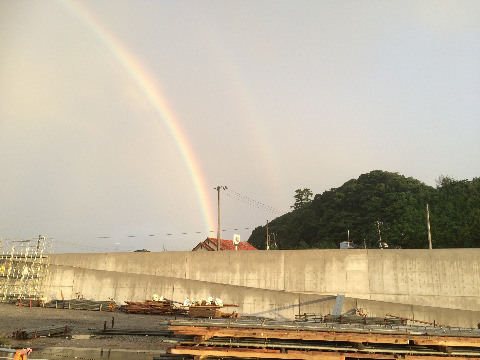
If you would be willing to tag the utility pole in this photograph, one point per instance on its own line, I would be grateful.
(268, 238)
(429, 232)
(40, 238)
(218, 229)
(380, 245)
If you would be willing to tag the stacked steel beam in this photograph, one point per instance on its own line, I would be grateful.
(134, 332)
(366, 320)
(293, 340)
(62, 330)
(82, 304)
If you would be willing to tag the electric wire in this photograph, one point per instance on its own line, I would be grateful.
(170, 234)
(227, 191)
(139, 237)
(86, 247)
(249, 201)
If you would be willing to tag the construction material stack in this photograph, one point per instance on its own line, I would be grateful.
(320, 341)
(82, 304)
(209, 308)
(61, 330)
(210, 311)
(159, 307)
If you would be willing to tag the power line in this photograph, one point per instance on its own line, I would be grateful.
(139, 237)
(169, 234)
(86, 247)
(227, 191)
(249, 201)
(230, 193)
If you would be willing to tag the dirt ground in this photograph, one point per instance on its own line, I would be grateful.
(84, 323)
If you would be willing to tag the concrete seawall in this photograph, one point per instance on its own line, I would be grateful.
(431, 285)
(448, 278)
(100, 284)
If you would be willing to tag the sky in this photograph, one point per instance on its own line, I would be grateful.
(119, 119)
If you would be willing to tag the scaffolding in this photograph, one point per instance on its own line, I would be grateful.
(23, 267)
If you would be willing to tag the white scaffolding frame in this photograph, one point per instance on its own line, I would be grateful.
(23, 267)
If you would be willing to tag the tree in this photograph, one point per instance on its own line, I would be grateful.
(397, 201)
(302, 197)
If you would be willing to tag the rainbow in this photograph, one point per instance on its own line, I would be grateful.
(145, 82)
(261, 139)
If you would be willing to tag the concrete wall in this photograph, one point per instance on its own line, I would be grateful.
(445, 278)
(104, 285)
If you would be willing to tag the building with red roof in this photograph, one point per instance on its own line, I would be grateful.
(210, 244)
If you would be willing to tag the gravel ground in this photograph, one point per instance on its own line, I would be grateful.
(13, 318)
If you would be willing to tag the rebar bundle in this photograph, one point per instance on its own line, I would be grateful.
(82, 304)
(164, 332)
(355, 319)
(351, 319)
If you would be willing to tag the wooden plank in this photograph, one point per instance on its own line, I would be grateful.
(420, 357)
(446, 341)
(373, 338)
(202, 311)
(292, 335)
(320, 355)
(298, 354)
(256, 353)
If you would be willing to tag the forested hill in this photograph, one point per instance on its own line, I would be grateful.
(383, 201)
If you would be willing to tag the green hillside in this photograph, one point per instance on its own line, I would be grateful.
(380, 204)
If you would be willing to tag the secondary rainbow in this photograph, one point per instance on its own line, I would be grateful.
(145, 82)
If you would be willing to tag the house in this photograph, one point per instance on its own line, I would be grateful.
(210, 244)
(348, 245)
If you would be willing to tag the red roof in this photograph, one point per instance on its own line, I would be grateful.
(227, 245)
(208, 247)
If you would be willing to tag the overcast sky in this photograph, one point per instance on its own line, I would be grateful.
(119, 119)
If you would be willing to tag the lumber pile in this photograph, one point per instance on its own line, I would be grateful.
(161, 307)
(62, 330)
(210, 311)
(209, 308)
(204, 312)
(269, 339)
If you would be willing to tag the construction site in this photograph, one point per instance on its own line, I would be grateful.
(313, 304)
